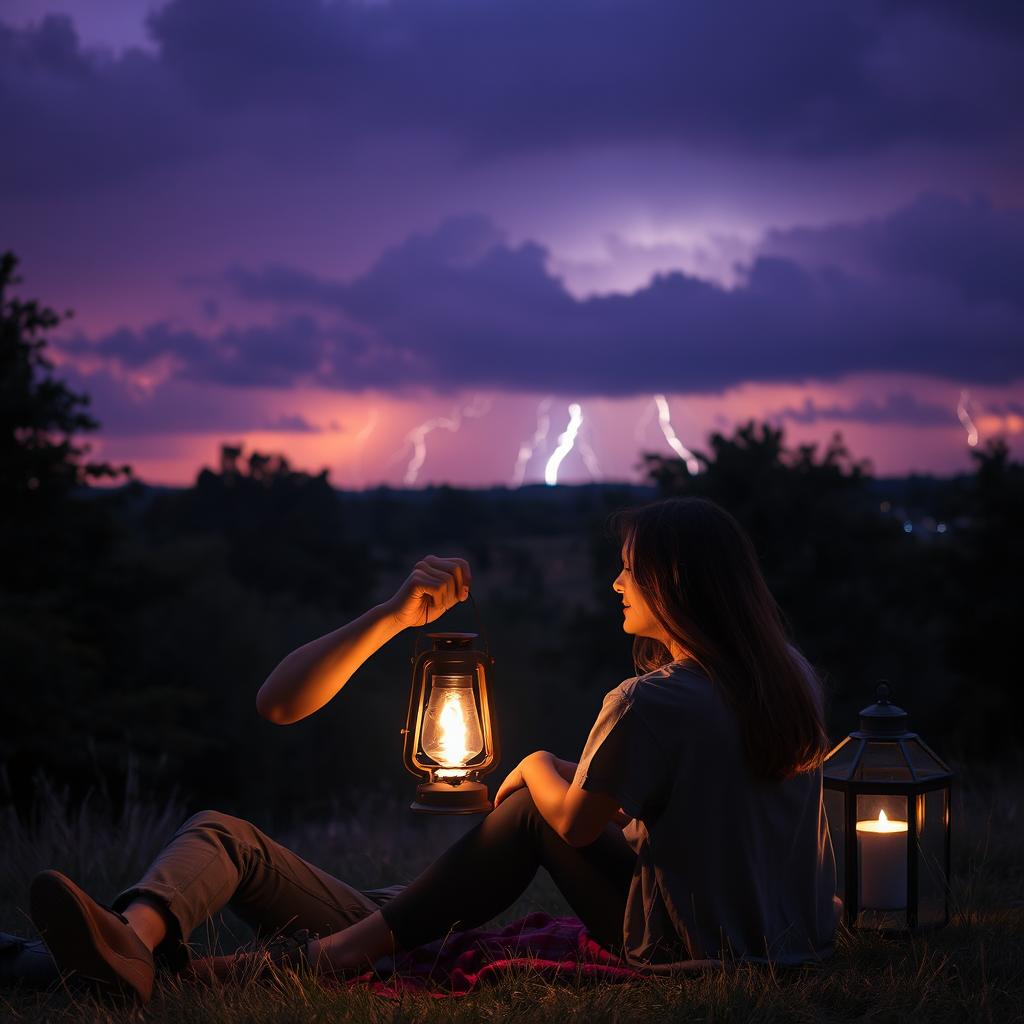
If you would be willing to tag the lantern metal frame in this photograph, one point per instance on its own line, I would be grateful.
(885, 723)
(451, 654)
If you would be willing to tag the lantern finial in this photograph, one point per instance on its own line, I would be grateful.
(883, 718)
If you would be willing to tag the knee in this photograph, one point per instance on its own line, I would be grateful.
(215, 821)
(519, 807)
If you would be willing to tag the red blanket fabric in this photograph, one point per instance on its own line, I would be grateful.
(551, 947)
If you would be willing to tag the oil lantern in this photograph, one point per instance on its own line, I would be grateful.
(451, 739)
(887, 798)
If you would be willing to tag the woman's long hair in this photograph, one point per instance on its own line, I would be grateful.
(699, 574)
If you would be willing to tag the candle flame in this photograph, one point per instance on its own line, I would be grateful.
(881, 824)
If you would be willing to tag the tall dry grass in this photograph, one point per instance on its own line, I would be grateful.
(971, 971)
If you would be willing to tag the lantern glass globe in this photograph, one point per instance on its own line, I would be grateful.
(452, 735)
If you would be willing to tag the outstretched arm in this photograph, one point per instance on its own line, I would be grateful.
(311, 675)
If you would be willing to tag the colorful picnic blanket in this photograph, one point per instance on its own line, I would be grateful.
(549, 947)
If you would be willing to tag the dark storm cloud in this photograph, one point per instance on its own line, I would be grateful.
(177, 406)
(902, 409)
(794, 74)
(74, 117)
(971, 247)
(995, 15)
(291, 423)
(458, 308)
(274, 356)
(803, 77)
(1005, 408)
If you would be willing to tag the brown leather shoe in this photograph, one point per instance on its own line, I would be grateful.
(96, 943)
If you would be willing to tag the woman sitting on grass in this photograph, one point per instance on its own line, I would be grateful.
(691, 828)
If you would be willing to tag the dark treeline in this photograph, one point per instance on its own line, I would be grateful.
(137, 623)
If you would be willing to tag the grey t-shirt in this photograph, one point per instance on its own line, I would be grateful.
(727, 864)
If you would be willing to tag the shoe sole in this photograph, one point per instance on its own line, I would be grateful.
(77, 944)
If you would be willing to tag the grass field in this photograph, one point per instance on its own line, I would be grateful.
(971, 971)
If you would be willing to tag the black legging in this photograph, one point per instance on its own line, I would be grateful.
(486, 870)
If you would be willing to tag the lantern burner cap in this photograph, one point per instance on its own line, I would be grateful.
(452, 641)
(883, 718)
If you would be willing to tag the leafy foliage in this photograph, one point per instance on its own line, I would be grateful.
(39, 415)
(866, 594)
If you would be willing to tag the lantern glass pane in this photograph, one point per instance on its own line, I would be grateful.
(883, 761)
(882, 836)
(926, 764)
(933, 820)
(835, 811)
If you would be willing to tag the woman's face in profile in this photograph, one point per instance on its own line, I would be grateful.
(637, 617)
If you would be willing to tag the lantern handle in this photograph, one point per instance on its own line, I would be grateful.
(480, 625)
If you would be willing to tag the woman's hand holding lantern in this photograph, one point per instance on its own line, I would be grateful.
(311, 675)
(434, 585)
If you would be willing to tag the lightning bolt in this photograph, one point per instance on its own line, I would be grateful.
(589, 457)
(367, 428)
(360, 439)
(529, 446)
(417, 437)
(566, 440)
(665, 422)
(964, 416)
(640, 430)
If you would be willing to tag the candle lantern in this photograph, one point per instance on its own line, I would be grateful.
(451, 738)
(887, 798)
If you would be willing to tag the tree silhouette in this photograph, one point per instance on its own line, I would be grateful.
(53, 549)
(40, 416)
(987, 602)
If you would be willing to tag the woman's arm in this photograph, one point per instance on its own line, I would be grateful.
(311, 675)
(577, 815)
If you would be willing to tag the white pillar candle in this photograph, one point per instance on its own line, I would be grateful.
(882, 852)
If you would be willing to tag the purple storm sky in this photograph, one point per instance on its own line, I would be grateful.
(398, 238)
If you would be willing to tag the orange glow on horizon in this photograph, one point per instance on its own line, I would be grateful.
(363, 440)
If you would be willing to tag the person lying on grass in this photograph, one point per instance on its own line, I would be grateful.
(692, 826)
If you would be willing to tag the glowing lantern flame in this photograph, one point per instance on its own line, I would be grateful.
(451, 731)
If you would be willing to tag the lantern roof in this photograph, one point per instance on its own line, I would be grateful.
(883, 718)
(883, 751)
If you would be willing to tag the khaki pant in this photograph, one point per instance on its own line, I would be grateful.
(215, 860)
